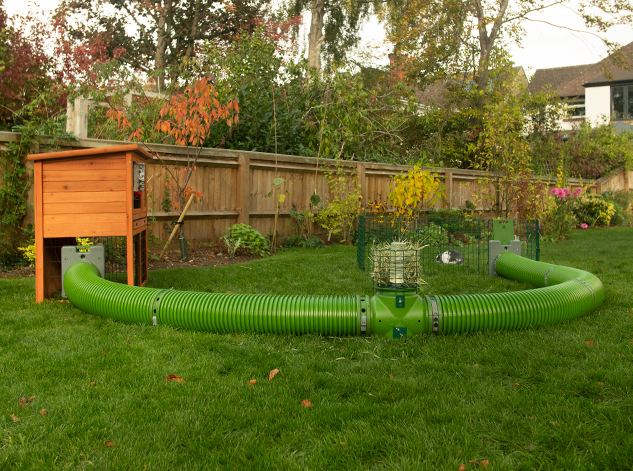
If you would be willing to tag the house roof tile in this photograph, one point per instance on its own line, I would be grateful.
(565, 81)
(570, 81)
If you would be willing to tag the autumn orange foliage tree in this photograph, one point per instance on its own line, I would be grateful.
(187, 116)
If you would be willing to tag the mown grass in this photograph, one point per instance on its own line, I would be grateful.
(534, 399)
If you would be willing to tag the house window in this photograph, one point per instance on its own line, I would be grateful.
(622, 102)
(576, 107)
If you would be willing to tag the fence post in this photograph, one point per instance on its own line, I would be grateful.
(448, 184)
(243, 189)
(625, 175)
(360, 169)
(77, 113)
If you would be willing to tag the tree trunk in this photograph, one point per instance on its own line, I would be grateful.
(162, 40)
(315, 37)
(487, 37)
(194, 30)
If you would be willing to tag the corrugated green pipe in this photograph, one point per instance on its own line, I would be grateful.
(325, 315)
(563, 294)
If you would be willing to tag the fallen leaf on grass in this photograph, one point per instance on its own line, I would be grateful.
(22, 402)
(109, 444)
(600, 383)
(341, 358)
(92, 383)
(306, 403)
(31, 398)
(251, 382)
(104, 352)
(483, 464)
(178, 379)
(14, 418)
(462, 467)
(343, 443)
(391, 378)
(555, 424)
(619, 354)
(43, 412)
(629, 311)
(127, 340)
(516, 385)
(476, 365)
(589, 342)
(66, 319)
(272, 374)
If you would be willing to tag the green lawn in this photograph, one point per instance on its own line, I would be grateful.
(534, 399)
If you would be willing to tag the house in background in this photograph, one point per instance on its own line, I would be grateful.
(598, 93)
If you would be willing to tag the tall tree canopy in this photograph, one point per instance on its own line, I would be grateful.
(154, 36)
(334, 28)
(443, 37)
(26, 70)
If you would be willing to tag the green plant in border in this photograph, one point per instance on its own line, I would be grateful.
(594, 210)
(28, 252)
(417, 187)
(302, 237)
(561, 219)
(251, 240)
(232, 245)
(339, 213)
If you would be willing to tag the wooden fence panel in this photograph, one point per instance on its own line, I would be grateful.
(235, 185)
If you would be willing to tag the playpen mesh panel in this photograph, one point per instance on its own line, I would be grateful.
(115, 257)
(451, 243)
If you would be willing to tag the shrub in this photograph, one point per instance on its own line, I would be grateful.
(28, 252)
(561, 219)
(593, 210)
(250, 239)
(622, 202)
(305, 242)
(618, 217)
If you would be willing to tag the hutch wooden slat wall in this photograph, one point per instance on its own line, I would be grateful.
(89, 193)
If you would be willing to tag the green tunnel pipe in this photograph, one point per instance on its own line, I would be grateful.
(562, 294)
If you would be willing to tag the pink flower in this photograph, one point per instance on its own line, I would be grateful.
(584, 225)
(555, 192)
(567, 192)
(577, 191)
(561, 193)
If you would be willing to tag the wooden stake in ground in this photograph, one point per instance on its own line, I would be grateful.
(173, 233)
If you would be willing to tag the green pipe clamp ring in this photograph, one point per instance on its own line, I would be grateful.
(156, 305)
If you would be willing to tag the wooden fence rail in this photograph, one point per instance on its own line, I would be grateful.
(235, 185)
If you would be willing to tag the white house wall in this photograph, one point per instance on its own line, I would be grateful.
(598, 104)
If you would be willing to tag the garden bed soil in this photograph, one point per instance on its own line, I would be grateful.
(198, 257)
(18, 272)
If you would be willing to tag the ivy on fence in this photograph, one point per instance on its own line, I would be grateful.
(15, 182)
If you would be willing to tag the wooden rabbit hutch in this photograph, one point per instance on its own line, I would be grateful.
(91, 193)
